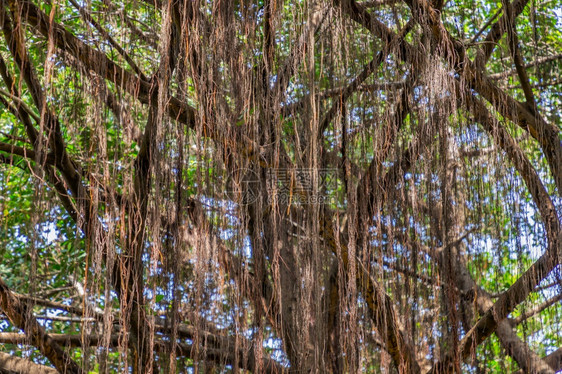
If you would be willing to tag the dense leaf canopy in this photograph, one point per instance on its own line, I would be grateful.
(318, 186)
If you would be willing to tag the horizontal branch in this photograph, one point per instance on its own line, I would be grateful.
(63, 319)
(25, 153)
(378, 3)
(69, 340)
(225, 352)
(538, 61)
(19, 365)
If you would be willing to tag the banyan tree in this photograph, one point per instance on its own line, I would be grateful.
(267, 186)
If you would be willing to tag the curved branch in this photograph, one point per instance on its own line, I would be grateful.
(20, 104)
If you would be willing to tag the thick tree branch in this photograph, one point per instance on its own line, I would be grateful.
(453, 264)
(380, 307)
(17, 365)
(554, 360)
(527, 118)
(22, 317)
(53, 304)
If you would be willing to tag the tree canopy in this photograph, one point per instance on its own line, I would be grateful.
(318, 186)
